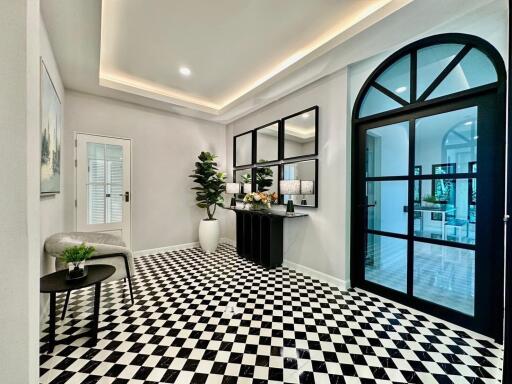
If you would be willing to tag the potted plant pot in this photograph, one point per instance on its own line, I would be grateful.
(209, 234)
(76, 271)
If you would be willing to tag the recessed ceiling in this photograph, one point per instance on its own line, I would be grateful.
(248, 48)
(230, 46)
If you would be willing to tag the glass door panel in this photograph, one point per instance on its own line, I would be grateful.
(105, 183)
(387, 150)
(387, 203)
(445, 209)
(386, 261)
(447, 138)
(386, 196)
(445, 275)
(452, 215)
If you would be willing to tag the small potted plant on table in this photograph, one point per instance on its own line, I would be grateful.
(75, 258)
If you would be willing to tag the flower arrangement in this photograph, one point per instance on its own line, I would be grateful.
(260, 200)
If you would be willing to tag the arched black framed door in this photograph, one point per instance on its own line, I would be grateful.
(428, 180)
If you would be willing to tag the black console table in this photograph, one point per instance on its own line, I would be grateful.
(259, 235)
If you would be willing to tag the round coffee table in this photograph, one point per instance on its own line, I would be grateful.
(56, 282)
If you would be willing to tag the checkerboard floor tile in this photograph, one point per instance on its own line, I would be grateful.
(206, 319)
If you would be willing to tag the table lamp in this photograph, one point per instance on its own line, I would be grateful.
(289, 187)
(233, 188)
(307, 187)
(247, 188)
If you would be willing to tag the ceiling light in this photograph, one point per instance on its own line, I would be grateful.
(305, 115)
(401, 89)
(185, 71)
(468, 123)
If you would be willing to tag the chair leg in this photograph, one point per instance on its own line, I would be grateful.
(130, 286)
(128, 277)
(68, 293)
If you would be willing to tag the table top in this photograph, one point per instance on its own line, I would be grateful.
(433, 209)
(268, 212)
(56, 282)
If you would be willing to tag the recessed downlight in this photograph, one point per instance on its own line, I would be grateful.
(185, 71)
(305, 115)
(401, 89)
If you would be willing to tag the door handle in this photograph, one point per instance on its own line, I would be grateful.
(367, 205)
(127, 196)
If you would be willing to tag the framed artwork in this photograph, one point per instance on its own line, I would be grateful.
(51, 127)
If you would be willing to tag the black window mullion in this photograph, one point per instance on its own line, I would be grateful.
(456, 60)
(390, 94)
(414, 76)
(410, 210)
(386, 233)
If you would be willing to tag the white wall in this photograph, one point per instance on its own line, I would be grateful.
(164, 149)
(52, 206)
(321, 240)
(19, 200)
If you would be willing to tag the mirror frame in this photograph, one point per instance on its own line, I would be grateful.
(251, 133)
(278, 122)
(283, 134)
(281, 173)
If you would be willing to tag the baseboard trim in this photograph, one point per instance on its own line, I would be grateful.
(170, 248)
(178, 247)
(225, 240)
(324, 277)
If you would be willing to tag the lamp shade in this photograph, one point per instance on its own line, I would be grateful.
(289, 187)
(307, 187)
(233, 188)
(247, 188)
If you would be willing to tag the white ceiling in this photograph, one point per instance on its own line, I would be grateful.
(132, 49)
(230, 46)
(243, 54)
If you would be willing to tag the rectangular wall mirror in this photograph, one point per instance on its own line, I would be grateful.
(242, 149)
(243, 177)
(267, 142)
(267, 179)
(307, 172)
(300, 132)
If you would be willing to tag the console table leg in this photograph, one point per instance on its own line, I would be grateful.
(51, 336)
(96, 314)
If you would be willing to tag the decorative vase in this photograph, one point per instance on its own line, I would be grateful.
(258, 206)
(209, 233)
(76, 272)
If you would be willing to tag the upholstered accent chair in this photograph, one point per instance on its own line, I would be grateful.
(109, 249)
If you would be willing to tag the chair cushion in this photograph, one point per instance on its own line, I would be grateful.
(104, 244)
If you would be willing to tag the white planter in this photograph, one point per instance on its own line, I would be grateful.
(209, 233)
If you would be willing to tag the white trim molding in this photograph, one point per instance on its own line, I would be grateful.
(178, 247)
(225, 240)
(170, 248)
(324, 277)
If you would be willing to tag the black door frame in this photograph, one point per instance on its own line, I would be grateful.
(507, 359)
(490, 100)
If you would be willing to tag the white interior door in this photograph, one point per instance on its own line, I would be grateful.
(103, 195)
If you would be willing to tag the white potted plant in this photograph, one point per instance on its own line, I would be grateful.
(208, 196)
